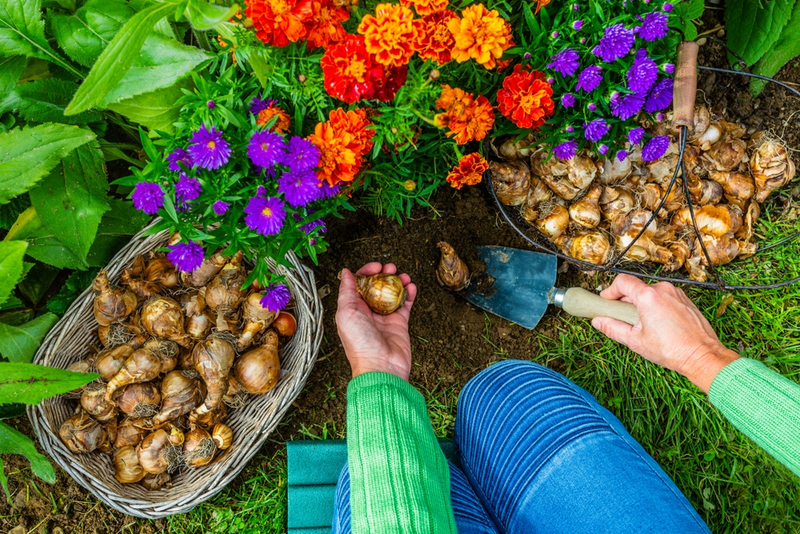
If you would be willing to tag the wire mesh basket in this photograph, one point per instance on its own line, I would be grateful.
(774, 264)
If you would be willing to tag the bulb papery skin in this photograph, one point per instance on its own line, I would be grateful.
(198, 448)
(141, 288)
(383, 293)
(206, 272)
(82, 434)
(181, 393)
(225, 293)
(129, 434)
(510, 180)
(586, 211)
(153, 482)
(553, 223)
(161, 271)
(771, 168)
(95, 403)
(259, 369)
(156, 454)
(214, 417)
(538, 194)
(111, 361)
(213, 359)
(140, 400)
(452, 273)
(555, 174)
(592, 247)
(155, 357)
(257, 319)
(111, 305)
(200, 325)
(127, 467)
(222, 436)
(163, 317)
(285, 324)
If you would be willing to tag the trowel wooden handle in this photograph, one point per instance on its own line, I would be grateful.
(581, 303)
(685, 88)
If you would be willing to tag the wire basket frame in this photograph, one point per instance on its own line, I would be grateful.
(618, 263)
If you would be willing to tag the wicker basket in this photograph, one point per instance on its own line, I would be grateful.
(252, 424)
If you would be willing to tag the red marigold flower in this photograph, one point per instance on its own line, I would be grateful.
(468, 119)
(525, 98)
(426, 7)
(325, 27)
(281, 125)
(385, 88)
(434, 39)
(390, 34)
(349, 71)
(469, 171)
(277, 22)
(343, 141)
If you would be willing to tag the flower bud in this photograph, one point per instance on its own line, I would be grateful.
(410, 185)
(434, 75)
(248, 23)
(302, 78)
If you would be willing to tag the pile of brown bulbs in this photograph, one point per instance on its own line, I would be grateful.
(591, 208)
(179, 350)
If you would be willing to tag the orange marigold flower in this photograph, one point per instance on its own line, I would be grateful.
(349, 70)
(467, 119)
(343, 141)
(469, 171)
(481, 35)
(540, 4)
(390, 34)
(277, 22)
(325, 27)
(281, 125)
(525, 98)
(426, 7)
(434, 40)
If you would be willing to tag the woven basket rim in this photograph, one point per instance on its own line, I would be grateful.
(252, 423)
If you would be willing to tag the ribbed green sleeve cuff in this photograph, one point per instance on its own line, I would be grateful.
(764, 405)
(399, 479)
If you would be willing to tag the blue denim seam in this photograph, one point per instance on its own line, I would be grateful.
(479, 493)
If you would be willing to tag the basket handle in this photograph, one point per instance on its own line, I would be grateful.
(685, 90)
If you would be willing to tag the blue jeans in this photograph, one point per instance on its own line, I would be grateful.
(540, 455)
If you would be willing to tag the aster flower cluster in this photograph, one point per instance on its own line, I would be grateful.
(221, 183)
(605, 77)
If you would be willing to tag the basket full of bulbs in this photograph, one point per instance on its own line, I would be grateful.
(195, 375)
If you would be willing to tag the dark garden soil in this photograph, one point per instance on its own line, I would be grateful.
(447, 340)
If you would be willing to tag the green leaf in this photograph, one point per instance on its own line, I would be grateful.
(4, 482)
(161, 63)
(753, 27)
(37, 281)
(72, 199)
(787, 47)
(12, 303)
(8, 411)
(75, 284)
(18, 344)
(689, 31)
(696, 8)
(11, 254)
(260, 66)
(9, 212)
(204, 16)
(30, 383)
(22, 32)
(11, 68)
(26, 154)
(117, 57)
(157, 110)
(85, 34)
(14, 442)
(44, 101)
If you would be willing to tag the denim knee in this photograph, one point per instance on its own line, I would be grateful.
(476, 386)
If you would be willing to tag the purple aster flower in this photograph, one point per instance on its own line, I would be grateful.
(257, 105)
(186, 189)
(655, 148)
(603, 149)
(527, 55)
(319, 223)
(551, 80)
(654, 26)
(565, 150)
(615, 43)
(299, 188)
(595, 130)
(302, 154)
(577, 25)
(568, 100)
(211, 104)
(186, 257)
(208, 149)
(555, 35)
(178, 155)
(669, 68)
(261, 191)
(328, 191)
(668, 7)
(266, 149)
(642, 74)
(622, 154)
(565, 62)
(220, 207)
(589, 78)
(148, 197)
(583, 40)
(592, 106)
(635, 136)
(626, 106)
(265, 215)
(660, 97)
(276, 297)
(569, 129)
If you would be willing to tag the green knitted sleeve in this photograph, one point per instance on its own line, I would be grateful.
(399, 479)
(764, 405)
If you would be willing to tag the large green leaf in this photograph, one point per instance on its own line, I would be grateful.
(753, 27)
(161, 63)
(45, 100)
(786, 48)
(18, 344)
(14, 442)
(204, 16)
(116, 229)
(11, 68)
(156, 110)
(36, 282)
(85, 34)
(26, 154)
(30, 383)
(72, 198)
(11, 254)
(117, 57)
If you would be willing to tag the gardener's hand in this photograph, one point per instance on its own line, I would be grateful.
(671, 330)
(374, 342)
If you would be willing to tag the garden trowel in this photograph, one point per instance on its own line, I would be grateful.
(518, 285)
